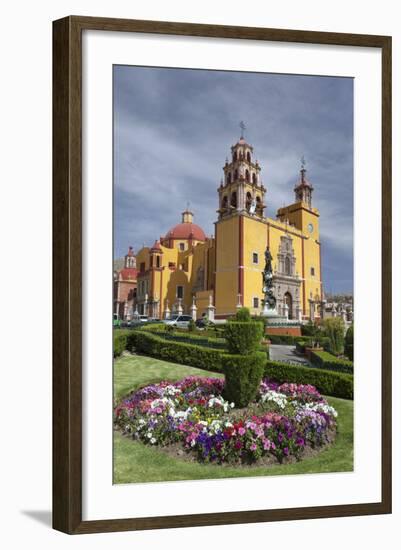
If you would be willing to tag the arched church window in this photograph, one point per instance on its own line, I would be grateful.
(236, 175)
(235, 157)
(247, 175)
(224, 202)
(234, 199)
(229, 177)
(254, 178)
(248, 156)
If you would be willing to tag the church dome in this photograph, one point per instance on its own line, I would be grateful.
(186, 231)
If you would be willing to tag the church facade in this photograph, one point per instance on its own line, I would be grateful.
(186, 271)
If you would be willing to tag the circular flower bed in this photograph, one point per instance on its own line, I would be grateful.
(285, 422)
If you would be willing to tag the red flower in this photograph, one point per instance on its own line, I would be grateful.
(228, 432)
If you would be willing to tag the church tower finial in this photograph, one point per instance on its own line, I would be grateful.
(303, 190)
(243, 128)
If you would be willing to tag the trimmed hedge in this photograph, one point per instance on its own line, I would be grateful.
(265, 349)
(152, 327)
(189, 338)
(324, 360)
(300, 346)
(337, 384)
(289, 340)
(177, 352)
(243, 374)
(119, 343)
(243, 337)
(328, 382)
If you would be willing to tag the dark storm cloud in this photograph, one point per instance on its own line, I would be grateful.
(174, 128)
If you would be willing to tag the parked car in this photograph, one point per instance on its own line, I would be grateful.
(180, 321)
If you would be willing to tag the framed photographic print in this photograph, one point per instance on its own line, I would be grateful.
(222, 236)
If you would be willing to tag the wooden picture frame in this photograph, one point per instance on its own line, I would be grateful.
(67, 273)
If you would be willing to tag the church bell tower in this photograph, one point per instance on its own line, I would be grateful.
(241, 189)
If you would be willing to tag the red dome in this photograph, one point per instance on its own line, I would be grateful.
(186, 231)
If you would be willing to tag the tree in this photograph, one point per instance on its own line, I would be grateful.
(334, 329)
(349, 343)
(243, 314)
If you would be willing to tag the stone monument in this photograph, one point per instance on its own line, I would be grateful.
(269, 302)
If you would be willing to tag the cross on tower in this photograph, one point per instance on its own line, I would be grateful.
(303, 169)
(243, 128)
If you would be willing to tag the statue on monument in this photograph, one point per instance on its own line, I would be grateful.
(269, 302)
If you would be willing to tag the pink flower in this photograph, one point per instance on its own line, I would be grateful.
(241, 431)
(253, 447)
(267, 444)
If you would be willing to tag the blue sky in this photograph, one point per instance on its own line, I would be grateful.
(173, 129)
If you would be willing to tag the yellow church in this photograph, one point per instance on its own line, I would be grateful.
(186, 271)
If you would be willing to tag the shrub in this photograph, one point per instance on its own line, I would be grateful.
(119, 343)
(334, 329)
(152, 327)
(265, 349)
(349, 343)
(324, 360)
(289, 340)
(198, 339)
(243, 337)
(243, 374)
(243, 314)
(191, 326)
(337, 384)
(310, 329)
(300, 346)
(177, 352)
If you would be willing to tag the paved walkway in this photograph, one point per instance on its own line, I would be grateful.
(286, 354)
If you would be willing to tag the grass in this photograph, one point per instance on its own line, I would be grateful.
(136, 463)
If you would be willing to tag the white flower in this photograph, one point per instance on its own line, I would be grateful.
(171, 390)
(153, 440)
(320, 407)
(149, 435)
(279, 398)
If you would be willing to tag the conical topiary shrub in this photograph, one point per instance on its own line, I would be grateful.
(244, 365)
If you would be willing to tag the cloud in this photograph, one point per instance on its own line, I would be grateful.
(174, 128)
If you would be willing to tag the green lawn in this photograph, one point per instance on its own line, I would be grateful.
(135, 462)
